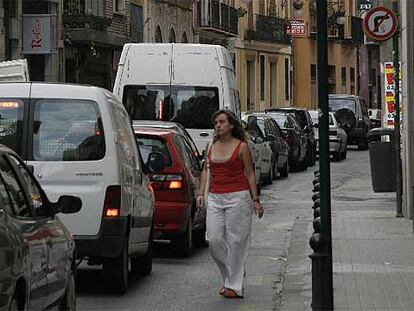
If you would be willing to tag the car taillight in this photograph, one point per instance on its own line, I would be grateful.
(112, 203)
(172, 182)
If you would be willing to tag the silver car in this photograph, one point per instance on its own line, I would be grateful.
(337, 135)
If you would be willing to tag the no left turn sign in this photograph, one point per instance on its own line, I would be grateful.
(380, 23)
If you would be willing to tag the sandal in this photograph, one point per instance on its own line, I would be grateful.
(222, 290)
(229, 293)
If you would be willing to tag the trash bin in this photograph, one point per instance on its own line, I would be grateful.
(382, 159)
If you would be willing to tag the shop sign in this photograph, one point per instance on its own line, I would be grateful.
(37, 34)
(296, 28)
(390, 93)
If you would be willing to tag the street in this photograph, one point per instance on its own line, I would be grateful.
(192, 283)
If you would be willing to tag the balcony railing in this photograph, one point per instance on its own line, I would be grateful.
(269, 29)
(85, 14)
(218, 17)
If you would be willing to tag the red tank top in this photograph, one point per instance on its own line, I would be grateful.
(228, 176)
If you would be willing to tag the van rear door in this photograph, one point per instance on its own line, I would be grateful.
(68, 147)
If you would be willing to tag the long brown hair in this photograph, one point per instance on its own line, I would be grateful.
(237, 131)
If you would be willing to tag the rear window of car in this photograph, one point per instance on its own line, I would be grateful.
(11, 124)
(67, 130)
(336, 104)
(147, 145)
(301, 117)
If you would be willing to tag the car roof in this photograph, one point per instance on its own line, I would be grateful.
(286, 109)
(343, 96)
(152, 131)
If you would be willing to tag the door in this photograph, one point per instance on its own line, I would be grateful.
(32, 231)
(70, 152)
(57, 244)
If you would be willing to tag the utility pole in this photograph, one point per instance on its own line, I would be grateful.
(397, 123)
(321, 240)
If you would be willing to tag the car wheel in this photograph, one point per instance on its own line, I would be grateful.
(269, 175)
(143, 265)
(363, 144)
(68, 302)
(337, 156)
(183, 243)
(275, 167)
(116, 271)
(285, 170)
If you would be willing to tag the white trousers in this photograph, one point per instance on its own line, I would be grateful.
(229, 220)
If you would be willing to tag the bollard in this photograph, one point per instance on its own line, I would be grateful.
(317, 212)
(317, 187)
(317, 225)
(316, 204)
(316, 196)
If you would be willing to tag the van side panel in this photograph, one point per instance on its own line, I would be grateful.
(86, 179)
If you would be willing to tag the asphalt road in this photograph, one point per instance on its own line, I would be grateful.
(192, 283)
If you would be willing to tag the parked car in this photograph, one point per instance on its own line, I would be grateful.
(261, 147)
(79, 139)
(280, 148)
(37, 266)
(305, 122)
(177, 217)
(375, 117)
(295, 138)
(178, 128)
(337, 135)
(352, 112)
(179, 82)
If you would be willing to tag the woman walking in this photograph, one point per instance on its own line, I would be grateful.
(229, 203)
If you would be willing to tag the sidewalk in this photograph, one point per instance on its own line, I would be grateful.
(373, 253)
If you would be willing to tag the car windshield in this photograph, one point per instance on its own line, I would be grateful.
(148, 144)
(336, 104)
(190, 106)
(281, 119)
(315, 119)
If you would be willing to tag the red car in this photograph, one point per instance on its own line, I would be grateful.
(176, 215)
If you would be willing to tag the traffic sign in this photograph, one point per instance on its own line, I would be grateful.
(380, 23)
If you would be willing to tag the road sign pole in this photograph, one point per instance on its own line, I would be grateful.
(397, 123)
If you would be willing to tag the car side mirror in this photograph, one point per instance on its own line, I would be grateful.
(270, 137)
(68, 204)
(155, 162)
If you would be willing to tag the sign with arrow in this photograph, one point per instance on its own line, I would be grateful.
(380, 23)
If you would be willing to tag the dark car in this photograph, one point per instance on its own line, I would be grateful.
(37, 266)
(175, 188)
(352, 112)
(305, 122)
(277, 142)
(295, 138)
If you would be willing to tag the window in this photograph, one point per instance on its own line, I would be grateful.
(31, 185)
(287, 80)
(190, 106)
(66, 130)
(137, 23)
(343, 80)
(15, 191)
(119, 6)
(158, 35)
(262, 77)
(11, 124)
(352, 78)
(273, 84)
(147, 144)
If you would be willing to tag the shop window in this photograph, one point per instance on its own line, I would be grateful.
(119, 6)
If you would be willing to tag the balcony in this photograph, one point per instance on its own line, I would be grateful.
(217, 17)
(269, 29)
(85, 14)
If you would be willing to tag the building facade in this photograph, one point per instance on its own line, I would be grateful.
(345, 38)
(264, 67)
(33, 30)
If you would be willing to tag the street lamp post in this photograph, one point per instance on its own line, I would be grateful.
(321, 240)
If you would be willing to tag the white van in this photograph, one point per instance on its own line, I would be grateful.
(14, 71)
(79, 141)
(184, 83)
